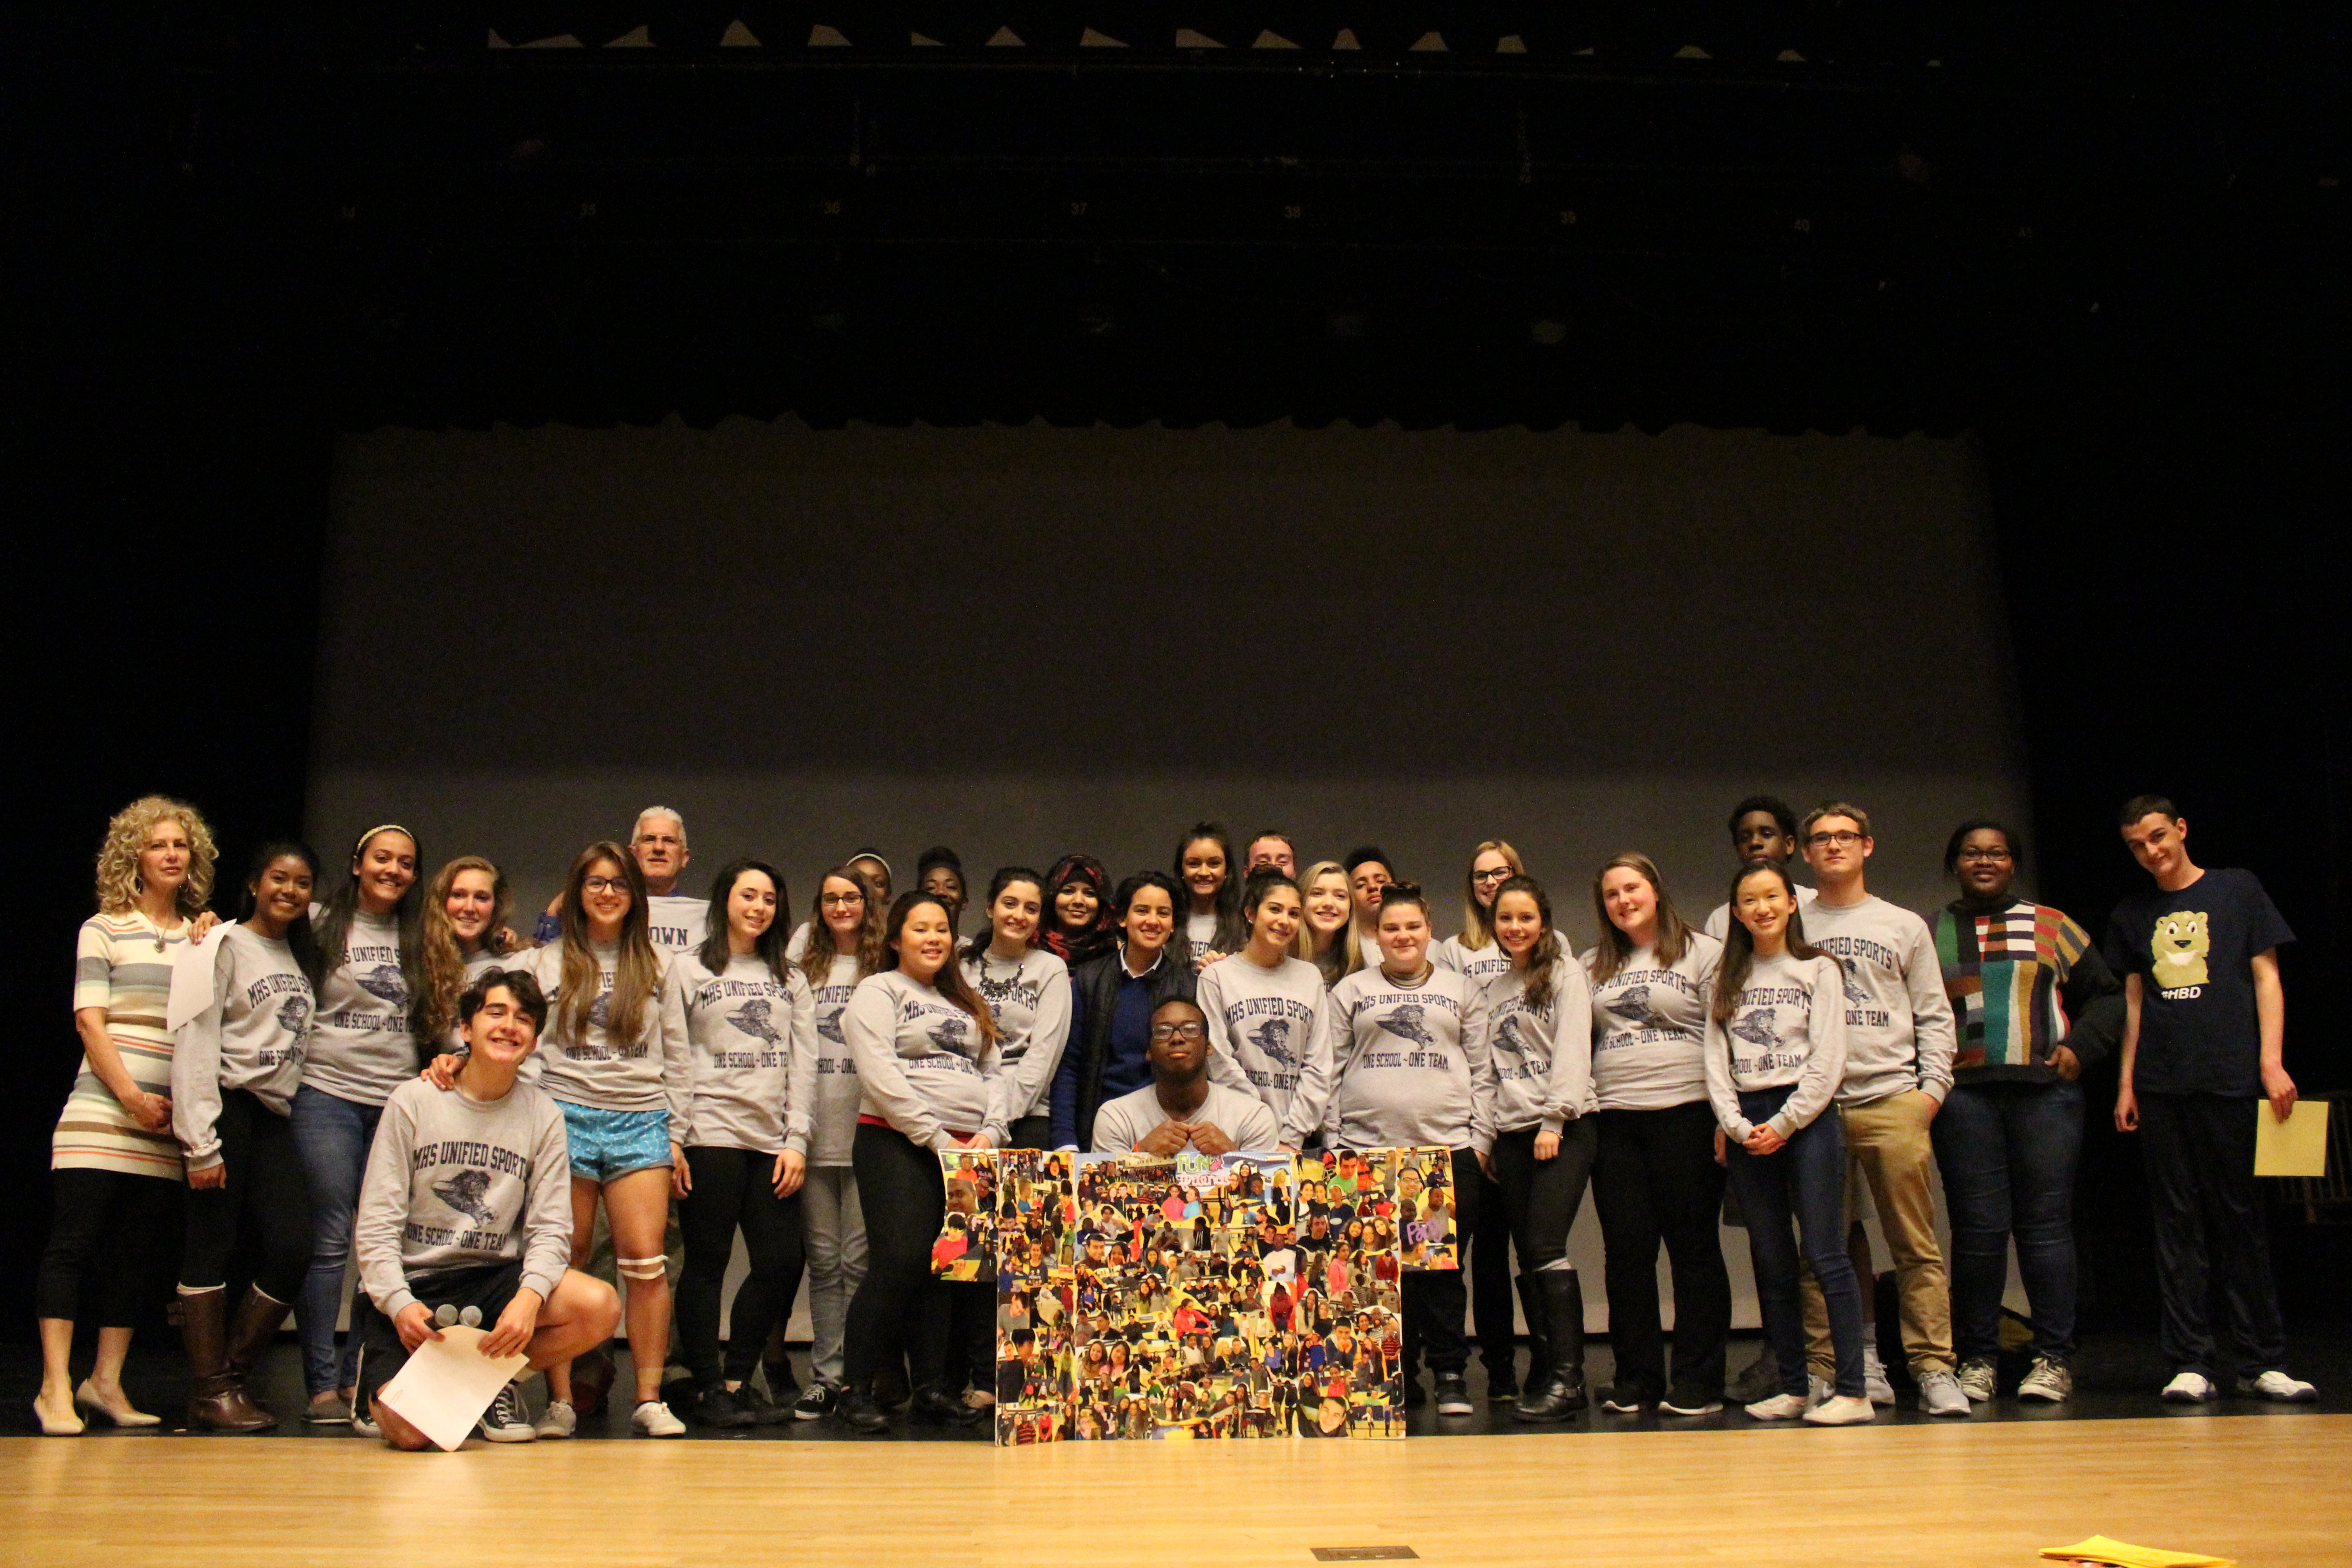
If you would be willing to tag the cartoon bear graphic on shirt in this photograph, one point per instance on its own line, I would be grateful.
(2182, 940)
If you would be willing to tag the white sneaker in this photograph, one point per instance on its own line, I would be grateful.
(364, 1425)
(1780, 1407)
(653, 1418)
(1873, 1377)
(1939, 1395)
(506, 1421)
(559, 1421)
(2049, 1382)
(1978, 1378)
(2189, 1388)
(1845, 1410)
(2278, 1388)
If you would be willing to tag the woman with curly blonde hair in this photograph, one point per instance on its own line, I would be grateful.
(115, 1164)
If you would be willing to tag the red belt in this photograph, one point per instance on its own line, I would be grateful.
(864, 1120)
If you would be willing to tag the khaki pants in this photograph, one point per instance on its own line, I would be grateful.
(1886, 1140)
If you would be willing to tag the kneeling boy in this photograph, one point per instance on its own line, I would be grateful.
(468, 1203)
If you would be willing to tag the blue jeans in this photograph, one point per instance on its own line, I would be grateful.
(332, 1135)
(2008, 1152)
(1804, 1182)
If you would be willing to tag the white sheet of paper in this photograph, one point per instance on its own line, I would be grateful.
(448, 1385)
(191, 979)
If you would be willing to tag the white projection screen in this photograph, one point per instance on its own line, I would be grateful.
(1024, 640)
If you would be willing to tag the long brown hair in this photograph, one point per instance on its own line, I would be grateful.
(1536, 987)
(1739, 942)
(816, 961)
(1476, 931)
(949, 981)
(1615, 948)
(1344, 957)
(636, 975)
(444, 964)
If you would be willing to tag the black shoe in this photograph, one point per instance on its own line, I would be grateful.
(1560, 1393)
(1694, 1399)
(764, 1411)
(936, 1404)
(858, 1411)
(1453, 1394)
(818, 1399)
(717, 1407)
(1502, 1382)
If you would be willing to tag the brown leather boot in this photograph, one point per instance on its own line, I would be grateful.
(251, 1328)
(216, 1400)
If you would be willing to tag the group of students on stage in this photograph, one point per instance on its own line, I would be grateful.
(382, 1068)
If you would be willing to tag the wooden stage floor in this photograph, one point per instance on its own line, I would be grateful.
(2271, 1492)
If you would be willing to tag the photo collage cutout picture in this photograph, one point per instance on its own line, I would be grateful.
(1197, 1297)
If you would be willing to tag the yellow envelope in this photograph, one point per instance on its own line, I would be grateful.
(2122, 1554)
(2296, 1147)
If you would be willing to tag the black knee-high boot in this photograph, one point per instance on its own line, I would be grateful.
(1562, 1393)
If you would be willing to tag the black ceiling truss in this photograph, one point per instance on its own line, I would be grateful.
(1789, 214)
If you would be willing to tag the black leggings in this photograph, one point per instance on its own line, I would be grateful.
(263, 1199)
(1543, 1196)
(120, 1224)
(1656, 1180)
(898, 1302)
(734, 1188)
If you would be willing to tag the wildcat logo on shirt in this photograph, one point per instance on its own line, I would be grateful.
(465, 1192)
(384, 982)
(753, 1019)
(1273, 1038)
(829, 1026)
(1759, 1027)
(2181, 942)
(1405, 1022)
(294, 1014)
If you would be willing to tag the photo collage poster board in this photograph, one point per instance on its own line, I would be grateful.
(1243, 1295)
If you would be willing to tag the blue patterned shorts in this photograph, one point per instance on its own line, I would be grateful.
(610, 1144)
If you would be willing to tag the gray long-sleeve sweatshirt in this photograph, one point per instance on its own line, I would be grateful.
(1899, 1033)
(1649, 1027)
(923, 1065)
(1410, 1064)
(1788, 1026)
(1270, 1033)
(456, 1182)
(738, 1055)
(1031, 1003)
(251, 1038)
(589, 1067)
(360, 1050)
(1543, 1059)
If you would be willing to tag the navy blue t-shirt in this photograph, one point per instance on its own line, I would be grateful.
(2194, 952)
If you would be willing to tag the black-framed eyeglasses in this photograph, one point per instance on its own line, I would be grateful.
(1993, 856)
(1499, 874)
(1840, 836)
(604, 885)
(1192, 1030)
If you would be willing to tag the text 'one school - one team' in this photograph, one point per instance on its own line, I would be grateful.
(649, 1049)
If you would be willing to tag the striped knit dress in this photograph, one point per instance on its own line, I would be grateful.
(124, 965)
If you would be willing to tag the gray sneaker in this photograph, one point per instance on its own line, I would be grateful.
(1939, 1395)
(1977, 1378)
(1873, 1377)
(2049, 1382)
(1760, 1381)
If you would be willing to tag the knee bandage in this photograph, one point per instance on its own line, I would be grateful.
(640, 1268)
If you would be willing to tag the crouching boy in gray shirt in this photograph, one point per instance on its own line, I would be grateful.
(468, 1203)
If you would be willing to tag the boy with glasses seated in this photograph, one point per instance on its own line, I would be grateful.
(1179, 1108)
